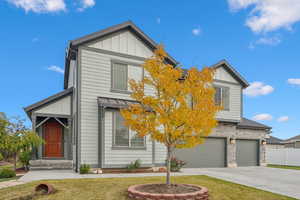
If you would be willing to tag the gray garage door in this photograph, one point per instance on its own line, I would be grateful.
(247, 152)
(210, 154)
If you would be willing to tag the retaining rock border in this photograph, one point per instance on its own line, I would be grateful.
(134, 194)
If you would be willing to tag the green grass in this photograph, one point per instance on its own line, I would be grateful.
(9, 179)
(285, 167)
(115, 189)
(10, 166)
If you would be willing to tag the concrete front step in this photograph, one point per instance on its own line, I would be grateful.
(50, 164)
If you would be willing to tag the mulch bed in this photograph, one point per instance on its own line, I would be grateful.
(21, 170)
(165, 189)
(140, 170)
(164, 192)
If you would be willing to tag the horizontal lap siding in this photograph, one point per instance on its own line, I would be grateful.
(234, 112)
(123, 157)
(225, 79)
(160, 153)
(96, 82)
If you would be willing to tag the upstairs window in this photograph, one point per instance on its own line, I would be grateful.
(119, 77)
(222, 97)
(123, 137)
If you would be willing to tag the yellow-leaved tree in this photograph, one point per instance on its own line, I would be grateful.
(180, 112)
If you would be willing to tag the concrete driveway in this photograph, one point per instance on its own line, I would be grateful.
(281, 181)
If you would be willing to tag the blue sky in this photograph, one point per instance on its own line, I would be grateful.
(260, 38)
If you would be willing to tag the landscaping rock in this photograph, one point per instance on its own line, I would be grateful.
(178, 192)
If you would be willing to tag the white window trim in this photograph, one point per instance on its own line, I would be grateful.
(222, 100)
(130, 134)
(113, 89)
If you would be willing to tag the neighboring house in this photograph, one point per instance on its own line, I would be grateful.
(293, 142)
(2, 115)
(275, 143)
(83, 125)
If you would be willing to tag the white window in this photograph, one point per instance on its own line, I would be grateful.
(123, 137)
(222, 97)
(119, 77)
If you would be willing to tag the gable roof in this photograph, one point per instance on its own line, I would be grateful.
(274, 140)
(247, 123)
(128, 25)
(235, 74)
(292, 139)
(48, 100)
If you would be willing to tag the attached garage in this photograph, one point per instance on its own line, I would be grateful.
(210, 154)
(247, 152)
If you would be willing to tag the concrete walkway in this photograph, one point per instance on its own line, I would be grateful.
(10, 183)
(68, 174)
(281, 181)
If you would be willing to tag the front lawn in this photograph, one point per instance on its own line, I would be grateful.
(9, 179)
(9, 165)
(115, 189)
(285, 167)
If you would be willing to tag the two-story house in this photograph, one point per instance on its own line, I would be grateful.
(82, 124)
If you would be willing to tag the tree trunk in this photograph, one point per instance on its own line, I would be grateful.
(168, 181)
(15, 161)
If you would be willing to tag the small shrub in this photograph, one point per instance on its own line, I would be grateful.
(1, 157)
(135, 165)
(25, 158)
(7, 173)
(176, 164)
(85, 169)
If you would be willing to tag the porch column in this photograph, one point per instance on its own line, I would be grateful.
(70, 140)
(34, 151)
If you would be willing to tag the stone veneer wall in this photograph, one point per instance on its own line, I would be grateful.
(231, 131)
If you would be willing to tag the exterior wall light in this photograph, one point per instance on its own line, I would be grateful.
(232, 140)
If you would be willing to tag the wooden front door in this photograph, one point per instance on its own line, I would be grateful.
(53, 147)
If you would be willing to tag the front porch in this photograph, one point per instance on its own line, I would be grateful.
(50, 164)
(56, 132)
(52, 121)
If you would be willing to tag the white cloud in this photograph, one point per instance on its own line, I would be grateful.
(268, 15)
(283, 119)
(263, 117)
(40, 6)
(86, 4)
(272, 41)
(196, 31)
(258, 89)
(56, 69)
(294, 81)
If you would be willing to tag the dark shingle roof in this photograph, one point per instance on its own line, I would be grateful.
(235, 74)
(128, 25)
(274, 140)
(48, 100)
(247, 123)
